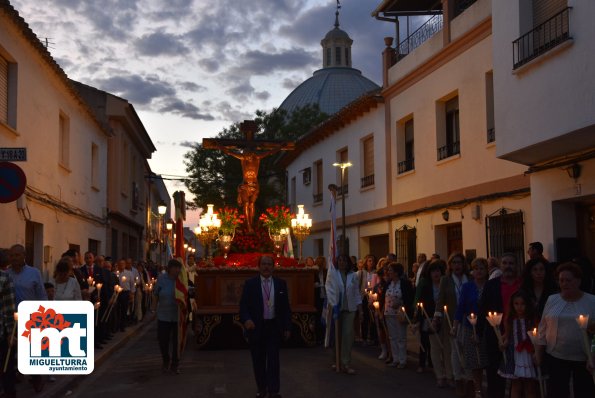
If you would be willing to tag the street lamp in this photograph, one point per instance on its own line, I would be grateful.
(343, 166)
(301, 225)
(161, 209)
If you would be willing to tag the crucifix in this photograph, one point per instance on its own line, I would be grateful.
(249, 151)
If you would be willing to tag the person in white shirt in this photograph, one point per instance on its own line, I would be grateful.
(560, 340)
(66, 287)
(421, 260)
(126, 297)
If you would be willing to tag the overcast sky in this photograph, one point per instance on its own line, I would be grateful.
(191, 67)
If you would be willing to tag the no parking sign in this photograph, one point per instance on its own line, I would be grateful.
(12, 182)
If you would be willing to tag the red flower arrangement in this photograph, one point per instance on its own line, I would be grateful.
(230, 220)
(276, 218)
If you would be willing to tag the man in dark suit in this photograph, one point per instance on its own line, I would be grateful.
(266, 316)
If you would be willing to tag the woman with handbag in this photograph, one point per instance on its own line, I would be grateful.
(399, 295)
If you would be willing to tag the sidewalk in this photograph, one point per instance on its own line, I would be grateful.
(63, 384)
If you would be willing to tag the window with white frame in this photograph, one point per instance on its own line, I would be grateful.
(405, 146)
(367, 162)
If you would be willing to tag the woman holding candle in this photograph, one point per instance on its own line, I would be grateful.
(560, 338)
(475, 356)
(539, 283)
(65, 287)
(399, 294)
(379, 291)
(427, 292)
(366, 276)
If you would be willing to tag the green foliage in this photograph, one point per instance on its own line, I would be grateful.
(214, 177)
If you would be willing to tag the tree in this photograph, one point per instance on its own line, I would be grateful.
(213, 177)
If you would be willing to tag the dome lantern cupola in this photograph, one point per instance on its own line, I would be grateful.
(336, 46)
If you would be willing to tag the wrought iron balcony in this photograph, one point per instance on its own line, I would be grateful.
(541, 39)
(367, 181)
(405, 165)
(449, 150)
(417, 38)
(317, 197)
(491, 135)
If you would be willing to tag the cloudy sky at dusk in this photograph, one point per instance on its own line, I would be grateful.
(191, 67)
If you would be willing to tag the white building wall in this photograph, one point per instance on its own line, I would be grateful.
(41, 96)
(555, 93)
(477, 162)
(357, 200)
(551, 221)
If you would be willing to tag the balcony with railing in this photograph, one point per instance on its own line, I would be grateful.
(405, 166)
(418, 37)
(541, 39)
(367, 181)
(449, 150)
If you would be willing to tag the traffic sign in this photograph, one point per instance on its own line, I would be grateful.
(12, 182)
(13, 154)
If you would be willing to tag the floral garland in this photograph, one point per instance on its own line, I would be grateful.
(230, 220)
(276, 218)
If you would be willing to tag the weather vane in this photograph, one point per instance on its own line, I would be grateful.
(337, 14)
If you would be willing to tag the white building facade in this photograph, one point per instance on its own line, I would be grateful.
(64, 205)
(544, 90)
(439, 186)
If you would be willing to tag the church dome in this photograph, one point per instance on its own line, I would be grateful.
(337, 33)
(330, 88)
(337, 83)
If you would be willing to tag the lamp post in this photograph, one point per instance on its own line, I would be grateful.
(343, 166)
(301, 225)
(161, 209)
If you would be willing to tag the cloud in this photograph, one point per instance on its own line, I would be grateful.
(188, 144)
(160, 43)
(232, 113)
(209, 64)
(291, 83)
(137, 89)
(192, 87)
(184, 109)
(262, 95)
(260, 63)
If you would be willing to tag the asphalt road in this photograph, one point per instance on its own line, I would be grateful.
(134, 371)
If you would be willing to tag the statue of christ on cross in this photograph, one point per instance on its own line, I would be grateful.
(249, 151)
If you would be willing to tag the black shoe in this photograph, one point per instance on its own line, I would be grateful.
(277, 395)
(38, 384)
(261, 394)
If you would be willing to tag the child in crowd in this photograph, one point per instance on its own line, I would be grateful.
(518, 349)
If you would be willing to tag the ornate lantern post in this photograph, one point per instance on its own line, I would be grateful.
(301, 225)
(208, 229)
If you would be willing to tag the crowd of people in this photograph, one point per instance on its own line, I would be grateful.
(120, 290)
(535, 344)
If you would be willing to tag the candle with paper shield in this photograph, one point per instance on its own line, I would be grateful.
(472, 318)
(583, 323)
(533, 336)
